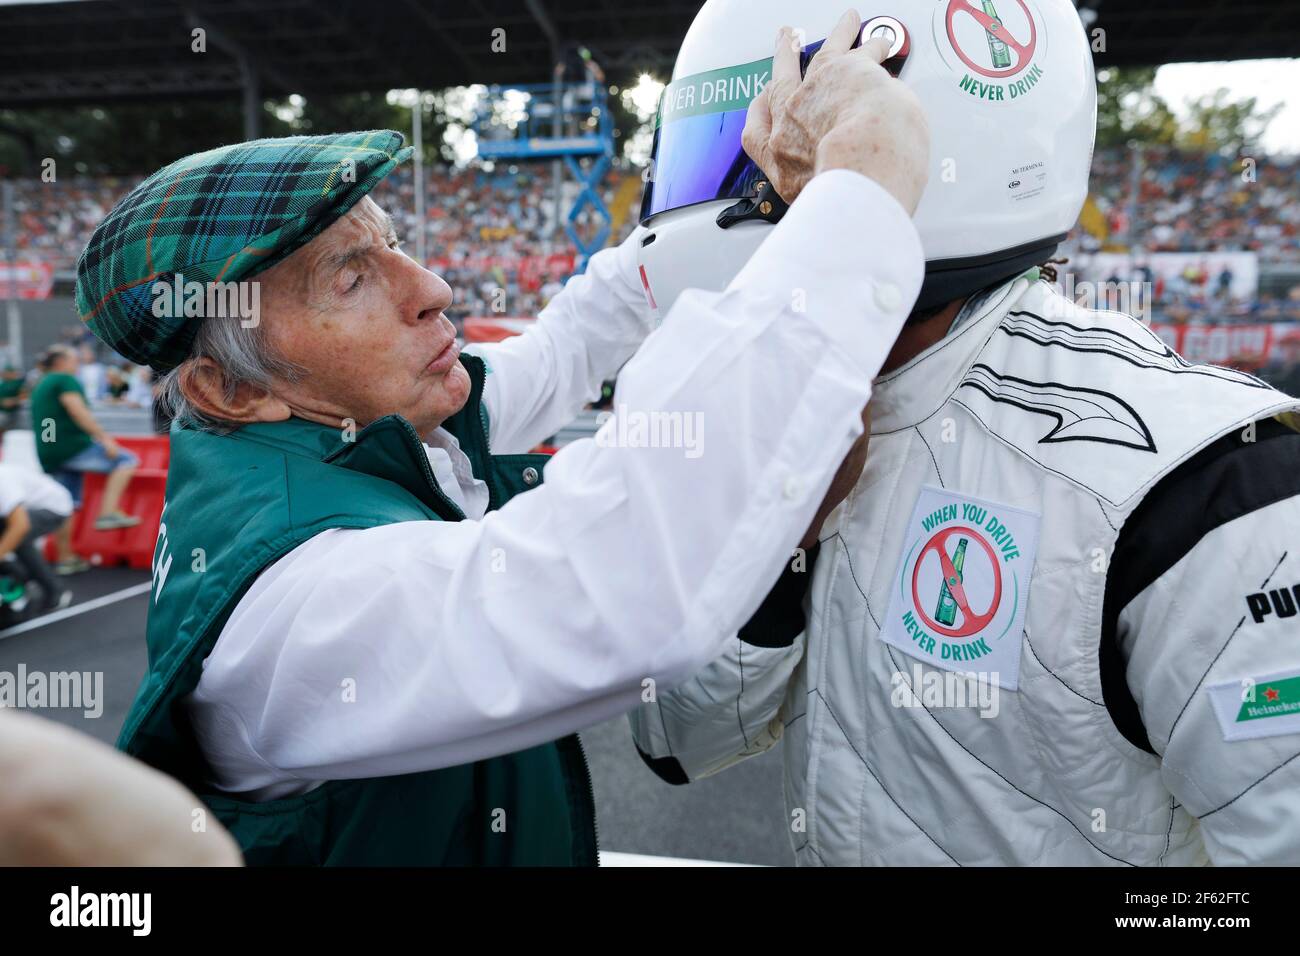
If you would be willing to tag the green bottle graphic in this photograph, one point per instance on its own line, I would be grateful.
(946, 612)
(997, 49)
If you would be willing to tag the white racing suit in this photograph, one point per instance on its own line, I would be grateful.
(1129, 529)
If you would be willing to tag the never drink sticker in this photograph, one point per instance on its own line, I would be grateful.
(959, 599)
(717, 91)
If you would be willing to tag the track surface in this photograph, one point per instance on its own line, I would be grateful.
(737, 816)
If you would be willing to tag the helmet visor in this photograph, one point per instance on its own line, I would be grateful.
(697, 156)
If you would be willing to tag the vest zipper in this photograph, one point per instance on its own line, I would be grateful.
(493, 500)
(591, 795)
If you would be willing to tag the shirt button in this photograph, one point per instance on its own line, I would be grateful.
(888, 297)
(790, 488)
(530, 475)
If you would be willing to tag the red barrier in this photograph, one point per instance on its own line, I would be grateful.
(143, 498)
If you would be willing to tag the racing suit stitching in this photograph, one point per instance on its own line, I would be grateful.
(1106, 516)
(1170, 832)
(1273, 572)
(1032, 461)
(1030, 645)
(1251, 787)
(1009, 783)
(802, 713)
(659, 708)
(1174, 726)
(932, 458)
(849, 561)
(879, 782)
(740, 664)
(1235, 378)
(807, 845)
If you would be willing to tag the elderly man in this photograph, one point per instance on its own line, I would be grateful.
(365, 644)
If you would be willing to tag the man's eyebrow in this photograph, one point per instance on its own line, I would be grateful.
(331, 265)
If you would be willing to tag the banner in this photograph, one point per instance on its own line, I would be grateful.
(34, 279)
(1246, 346)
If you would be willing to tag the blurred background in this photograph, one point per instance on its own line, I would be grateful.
(533, 122)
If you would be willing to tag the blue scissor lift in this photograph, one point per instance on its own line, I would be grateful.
(539, 136)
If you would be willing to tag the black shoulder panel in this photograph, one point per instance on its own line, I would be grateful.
(1224, 481)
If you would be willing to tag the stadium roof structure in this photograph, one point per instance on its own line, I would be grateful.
(89, 51)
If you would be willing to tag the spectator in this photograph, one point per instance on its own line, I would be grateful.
(115, 385)
(70, 442)
(91, 374)
(33, 505)
(12, 394)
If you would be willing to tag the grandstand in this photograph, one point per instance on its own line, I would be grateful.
(491, 229)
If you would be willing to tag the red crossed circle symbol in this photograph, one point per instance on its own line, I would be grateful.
(1023, 51)
(971, 623)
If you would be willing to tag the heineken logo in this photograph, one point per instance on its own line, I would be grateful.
(996, 45)
(1272, 699)
(962, 584)
(1256, 707)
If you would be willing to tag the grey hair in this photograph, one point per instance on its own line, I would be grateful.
(244, 357)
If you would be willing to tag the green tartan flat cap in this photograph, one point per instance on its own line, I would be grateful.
(219, 216)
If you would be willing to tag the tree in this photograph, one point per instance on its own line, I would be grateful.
(1129, 109)
(1216, 123)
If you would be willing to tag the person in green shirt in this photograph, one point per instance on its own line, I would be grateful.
(12, 394)
(70, 443)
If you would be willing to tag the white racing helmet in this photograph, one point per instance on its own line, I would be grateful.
(1008, 88)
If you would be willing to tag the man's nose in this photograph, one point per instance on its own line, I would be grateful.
(430, 294)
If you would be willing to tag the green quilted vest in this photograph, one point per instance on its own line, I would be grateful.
(250, 497)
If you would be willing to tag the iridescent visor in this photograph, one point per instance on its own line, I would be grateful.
(697, 156)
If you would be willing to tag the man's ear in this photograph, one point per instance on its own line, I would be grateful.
(206, 386)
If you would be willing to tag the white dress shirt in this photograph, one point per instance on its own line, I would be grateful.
(420, 645)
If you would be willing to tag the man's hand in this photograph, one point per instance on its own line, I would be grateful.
(847, 113)
(846, 477)
(68, 800)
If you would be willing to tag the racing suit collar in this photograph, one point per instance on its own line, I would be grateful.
(913, 392)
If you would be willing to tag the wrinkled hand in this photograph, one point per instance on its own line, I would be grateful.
(847, 113)
(846, 477)
(69, 800)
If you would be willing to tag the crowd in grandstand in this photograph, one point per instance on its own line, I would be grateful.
(1200, 202)
(491, 232)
